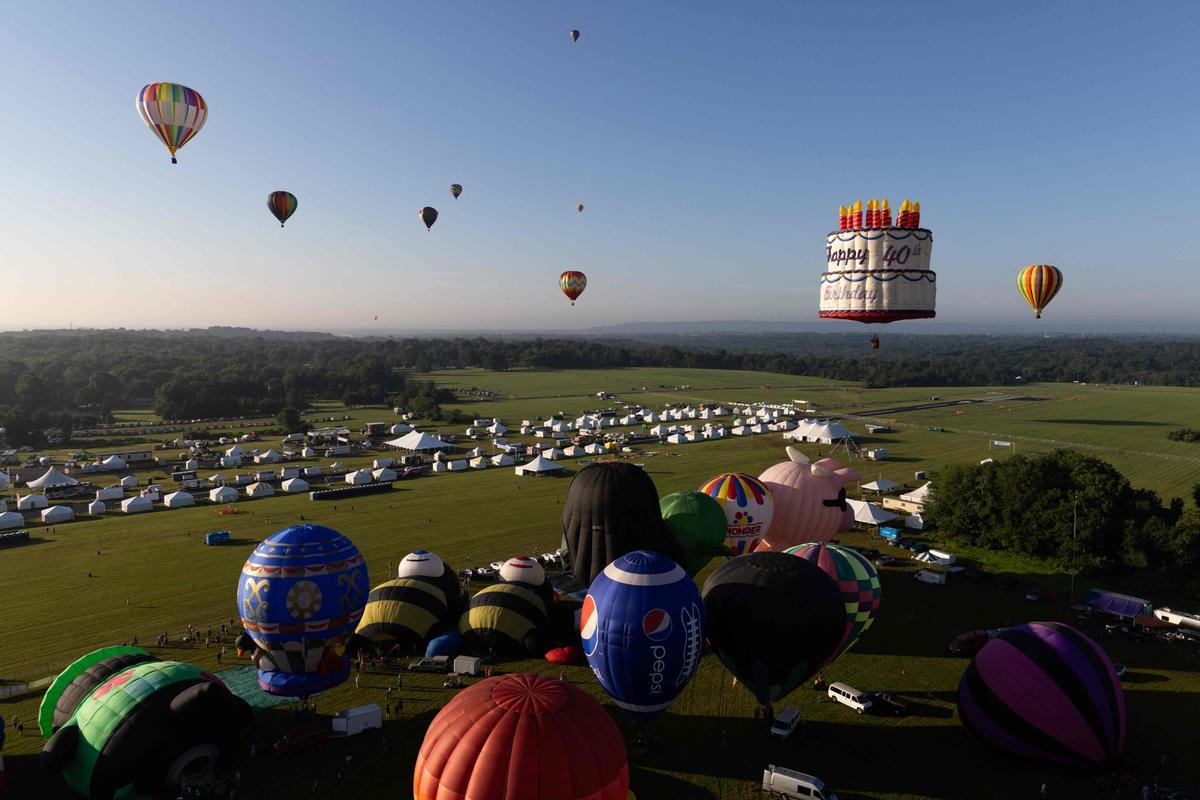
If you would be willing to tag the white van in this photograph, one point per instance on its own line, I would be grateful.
(353, 721)
(785, 722)
(929, 576)
(849, 696)
(791, 784)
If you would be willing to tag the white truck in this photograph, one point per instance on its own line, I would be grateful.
(782, 782)
(353, 721)
(931, 577)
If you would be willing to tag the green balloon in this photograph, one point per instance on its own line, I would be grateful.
(697, 522)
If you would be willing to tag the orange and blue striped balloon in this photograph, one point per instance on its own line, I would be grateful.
(282, 204)
(1038, 284)
(173, 112)
(572, 284)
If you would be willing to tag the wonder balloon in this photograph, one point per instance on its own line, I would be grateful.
(1038, 285)
(572, 284)
(1044, 691)
(774, 620)
(173, 112)
(697, 524)
(748, 506)
(282, 205)
(810, 501)
(642, 626)
(522, 737)
(857, 580)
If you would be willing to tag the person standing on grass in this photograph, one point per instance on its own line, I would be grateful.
(358, 681)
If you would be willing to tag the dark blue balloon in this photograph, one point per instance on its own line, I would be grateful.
(642, 626)
(449, 644)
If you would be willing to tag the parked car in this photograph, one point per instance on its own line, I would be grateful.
(884, 561)
(439, 664)
(1034, 594)
(302, 739)
(849, 696)
(781, 782)
(889, 704)
(496, 565)
(969, 643)
(786, 722)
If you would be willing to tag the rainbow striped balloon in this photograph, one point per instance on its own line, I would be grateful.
(857, 580)
(572, 282)
(173, 112)
(1038, 284)
(282, 204)
(748, 508)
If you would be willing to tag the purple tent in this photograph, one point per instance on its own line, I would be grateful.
(1047, 692)
(1119, 605)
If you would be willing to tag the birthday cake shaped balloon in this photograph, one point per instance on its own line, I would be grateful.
(878, 271)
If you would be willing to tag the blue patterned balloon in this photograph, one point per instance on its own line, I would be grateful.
(301, 592)
(642, 626)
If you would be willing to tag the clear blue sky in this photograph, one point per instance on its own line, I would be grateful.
(710, 141)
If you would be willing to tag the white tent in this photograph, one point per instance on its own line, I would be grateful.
(401, 428)
(223, 494)
(759, 428)
(4, 482)
(458, 465)
(743, 430)
(359, 476)
(475, 452)
(308, 452)
(870, 514)
(129, 481)
(919, 495)
(236, 451)
(313, 472)
(335, 466)
(217, 479)
(417, 441)
(650, 416)
(270, 457)
(676, 438)
(289, 472)
(260, 490)
(179, 500)
(136, 505)
(231, 461)
(574, 451)
(693, 436)
(113, 462)
(819, 430)
(380, 463)
(55, 514)
(552, 453)
(915, 522)
(881, 485)
(32, 502)
(96, 508)
(538, 466)
(480, 463)
(110, 493)
(498, 428)
(11, 519)
(191, 464)
(294, 485)
(52, 478)
(595, 449)
(503, 460)
(441, 466)
(384, 474)
(659, 430)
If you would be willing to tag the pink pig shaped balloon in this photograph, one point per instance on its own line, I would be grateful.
(810, 501)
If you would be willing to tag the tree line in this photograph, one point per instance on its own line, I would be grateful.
(1077, 511)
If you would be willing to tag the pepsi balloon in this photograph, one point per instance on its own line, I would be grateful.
(642, 627)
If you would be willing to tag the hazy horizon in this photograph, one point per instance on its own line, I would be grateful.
(710, 147)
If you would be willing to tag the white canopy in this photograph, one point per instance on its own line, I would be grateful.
(819, 430)
(272, 456)
(113, 462)
(359, 476)
(417, 441)
(475, 452)
(31, 502)
(260, 490)
(308, 452)
(401, 428)
(498, 428)
(191, 463)
(380, 463)
(52, 478)
(503, 460)
(57, 514)
(293, 485)
(179, 500)
(384, 474)
(480, 463)
(918, 495)
(574, 451)
(881, 485)
(538, 465)
(11, 519)
(458, 465)
(136, 505)
(223, 494)
(869, 513)
(96, 508)
(236, 450)
(231, 461)
(313, 472)
(129, 481)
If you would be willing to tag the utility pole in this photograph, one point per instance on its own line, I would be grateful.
(1074, 529)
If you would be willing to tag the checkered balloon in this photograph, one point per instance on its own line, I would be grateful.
(857, 580)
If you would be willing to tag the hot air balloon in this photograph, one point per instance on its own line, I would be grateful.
(522, 737)
(810, 501)
(1045, 691)
(748, 508)
(282, 205)
(875, 342)
(402, 614)
(572, 284)
(1038, 284)
(504, 620)
(697, 523)
(642, 626)
(612, 509)
(426, 566)
(456, 189)
(302, 591)
(574, 36)
(774, 621)
(428, 216)
(173, 112)
(579, 207)
(127, 725)
(857, 580)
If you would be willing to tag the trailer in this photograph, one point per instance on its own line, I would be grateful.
(216, 537)
(353, 721)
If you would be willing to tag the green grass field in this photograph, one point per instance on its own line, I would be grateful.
(154, 574)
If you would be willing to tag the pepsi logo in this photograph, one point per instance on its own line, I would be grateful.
(589, 625)
(656, 624)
